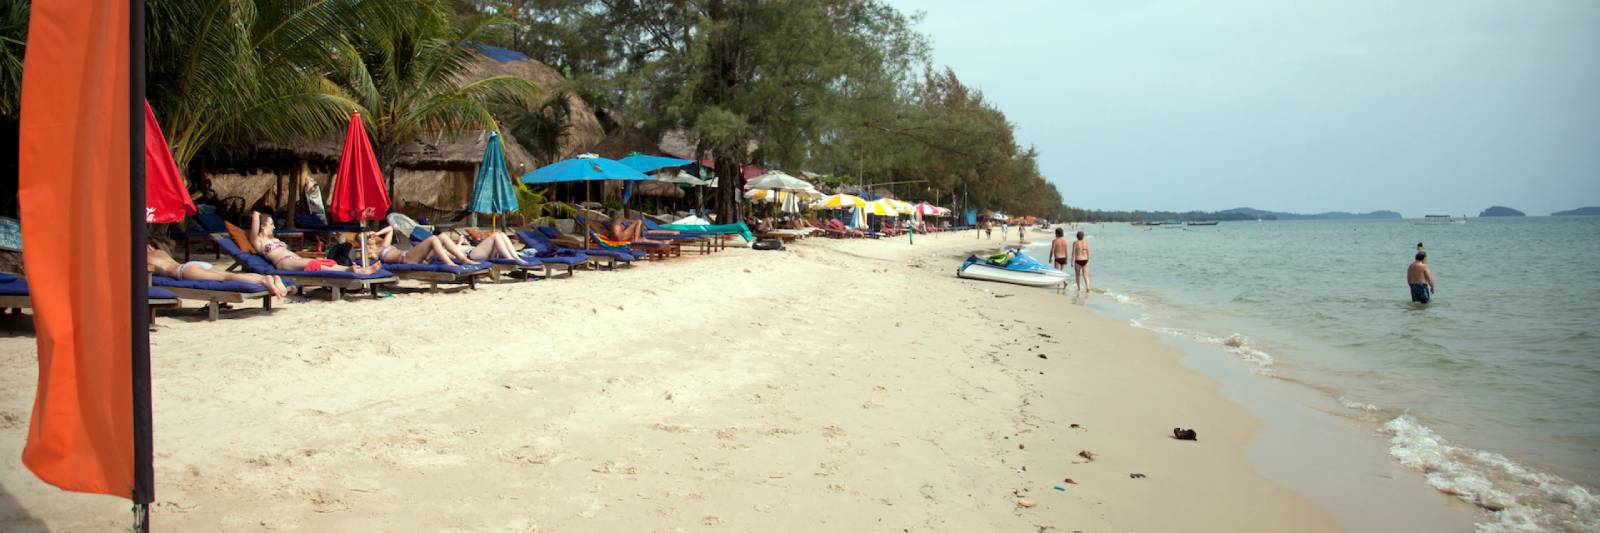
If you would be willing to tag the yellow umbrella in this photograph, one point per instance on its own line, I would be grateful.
(904, 207)
(841, 201)
(882, 207)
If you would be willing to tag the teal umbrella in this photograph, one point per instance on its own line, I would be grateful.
(491, 191)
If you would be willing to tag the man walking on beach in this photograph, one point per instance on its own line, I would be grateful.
(1080, 263)
(1420, 279)
(1059, 253)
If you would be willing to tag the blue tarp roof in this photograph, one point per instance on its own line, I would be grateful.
(499, 54)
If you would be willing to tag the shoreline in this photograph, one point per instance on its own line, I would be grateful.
(704, 393)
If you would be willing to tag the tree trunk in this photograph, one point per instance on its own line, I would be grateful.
(730, 189)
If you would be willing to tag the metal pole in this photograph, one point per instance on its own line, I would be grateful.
(143, 441)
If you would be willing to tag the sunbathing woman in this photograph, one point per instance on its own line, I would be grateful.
(631, 232)
(284, 259)
(430, 250)
(493, 245)
(165, 265)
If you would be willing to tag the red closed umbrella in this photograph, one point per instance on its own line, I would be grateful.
(358, 191)
(166, 200)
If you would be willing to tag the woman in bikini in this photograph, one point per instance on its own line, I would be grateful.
(431, 249)
(631, 232)
(493, 245)
(282, 258)
(163, 264)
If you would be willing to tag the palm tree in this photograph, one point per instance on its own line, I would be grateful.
(413, 78)
(231, 73)
(13, 39)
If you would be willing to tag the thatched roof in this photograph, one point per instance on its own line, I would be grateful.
(678, 142)
(625, 140)
(434, 150)
(584, 129)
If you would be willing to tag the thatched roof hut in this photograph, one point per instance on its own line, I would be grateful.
(625, 140)
(433, 173)
(583, 129)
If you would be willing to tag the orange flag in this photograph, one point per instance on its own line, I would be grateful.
(74, 193)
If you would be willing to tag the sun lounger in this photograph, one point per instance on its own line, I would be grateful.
(333, 280)
(552, 234)
(216, 293)
(524, 264)
(546, 250)
(435, 273)
(15, 294)
(599, 240)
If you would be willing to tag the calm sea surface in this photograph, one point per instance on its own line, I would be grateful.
(1492, 391)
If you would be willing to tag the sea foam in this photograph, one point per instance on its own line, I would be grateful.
(1517, 498)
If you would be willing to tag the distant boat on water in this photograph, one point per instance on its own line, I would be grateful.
(1442, 219)
(1201, 223)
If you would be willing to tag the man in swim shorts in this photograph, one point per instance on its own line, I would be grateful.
(1058, 250)
(1420, 279)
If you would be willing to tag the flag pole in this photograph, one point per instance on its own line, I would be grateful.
(143, 440)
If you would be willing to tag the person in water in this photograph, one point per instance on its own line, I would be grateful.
(163, 264)
(282, 258)
(1080, 263)
(1420, 279)
(1419, 247)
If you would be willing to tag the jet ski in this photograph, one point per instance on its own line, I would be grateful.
(1013, 266)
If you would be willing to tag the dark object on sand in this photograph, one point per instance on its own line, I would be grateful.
(1041, 356)
(1086, 455)
(1184, 434)
(1069, 480)
(767, 244)
(1135, 475)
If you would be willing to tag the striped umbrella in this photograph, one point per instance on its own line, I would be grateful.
(926, 209)
(882, 207)
(904, 207)
(841, 201)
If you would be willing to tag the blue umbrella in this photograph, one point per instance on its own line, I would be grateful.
(652, 163)
(491, 191)
(586, 167)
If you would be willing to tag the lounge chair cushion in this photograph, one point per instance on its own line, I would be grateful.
(548, 252)
(241, 240)
(207, 285)
(15, 287)
(435, 267)
(256, 263)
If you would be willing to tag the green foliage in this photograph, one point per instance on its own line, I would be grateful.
(13, 39)
(537, 209)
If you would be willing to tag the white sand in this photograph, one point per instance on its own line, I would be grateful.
(842, 385)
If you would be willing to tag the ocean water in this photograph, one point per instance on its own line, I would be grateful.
(1492, 391)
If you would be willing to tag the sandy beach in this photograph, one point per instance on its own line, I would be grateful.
(841, 385)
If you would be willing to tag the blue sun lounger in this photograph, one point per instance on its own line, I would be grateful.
(216, 293)
(548, 251)
(435, 273)
(14, 294)
(334, 280)
(550, 234)
(526, 265)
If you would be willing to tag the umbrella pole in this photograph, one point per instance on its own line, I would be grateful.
(586, 229)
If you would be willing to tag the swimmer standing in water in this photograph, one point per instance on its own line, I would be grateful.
(1420, 278)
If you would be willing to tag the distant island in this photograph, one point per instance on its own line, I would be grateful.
(1252, 214)
(1239, 213)
(1581, 211)
(1501, 211)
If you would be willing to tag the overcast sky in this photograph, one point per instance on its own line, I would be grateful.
(1418, 106)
